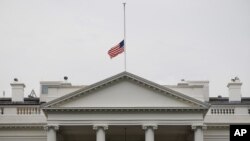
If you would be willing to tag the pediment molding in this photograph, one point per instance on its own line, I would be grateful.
(128, 77)
(125, 109)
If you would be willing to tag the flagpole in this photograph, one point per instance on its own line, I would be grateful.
(125, 60)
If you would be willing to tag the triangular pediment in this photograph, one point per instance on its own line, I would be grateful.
(125, 90)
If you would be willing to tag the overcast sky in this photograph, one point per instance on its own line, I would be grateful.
(167, 40)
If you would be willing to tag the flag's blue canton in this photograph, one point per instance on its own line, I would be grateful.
(121, 44)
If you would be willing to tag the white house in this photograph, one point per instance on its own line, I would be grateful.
(124, 107)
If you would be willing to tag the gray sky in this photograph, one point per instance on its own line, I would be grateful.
(167, 40)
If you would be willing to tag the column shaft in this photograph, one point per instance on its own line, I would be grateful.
(51, 134)
(149, 134)
(100, 134)
(198, 134)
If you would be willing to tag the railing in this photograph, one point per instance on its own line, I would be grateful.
(28, 110)
(222, 111)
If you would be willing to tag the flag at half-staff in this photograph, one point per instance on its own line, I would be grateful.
(116, 50)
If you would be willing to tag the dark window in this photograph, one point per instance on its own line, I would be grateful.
(1, 110)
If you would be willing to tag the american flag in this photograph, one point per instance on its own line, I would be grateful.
(118, 49)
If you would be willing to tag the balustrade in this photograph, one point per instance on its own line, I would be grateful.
(222, 111)
(28, 110)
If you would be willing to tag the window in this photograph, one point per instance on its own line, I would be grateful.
(44, 89)
(1, 111)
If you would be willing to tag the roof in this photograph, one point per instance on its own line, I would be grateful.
(212, 101)
(128, 76)
(225, 101)
(27, 101)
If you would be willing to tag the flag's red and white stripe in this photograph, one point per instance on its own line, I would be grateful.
(118, 49)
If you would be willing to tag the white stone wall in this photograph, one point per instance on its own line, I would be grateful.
(228, 114)
(22, 134)
(216, 134)
(22, 115)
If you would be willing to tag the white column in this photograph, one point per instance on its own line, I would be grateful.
(198, 132)
(149, 132)
(100, 132)
(51, 132)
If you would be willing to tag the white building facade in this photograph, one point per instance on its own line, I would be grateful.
(124, 107)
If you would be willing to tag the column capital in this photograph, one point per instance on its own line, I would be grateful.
(97, 126)
(201, 126)
(54, 127)
(146, 126)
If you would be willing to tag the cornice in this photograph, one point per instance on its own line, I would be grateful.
(218, 127)
(23, 126)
